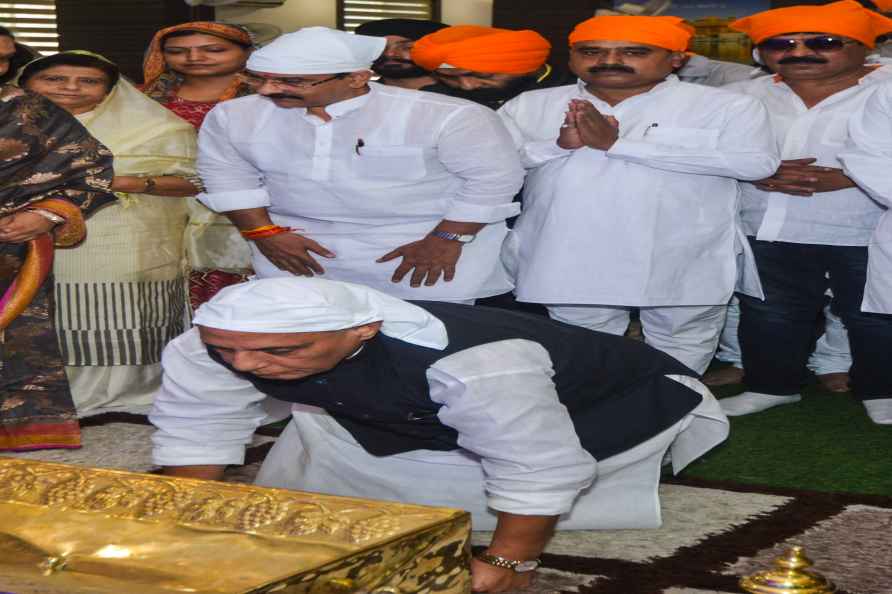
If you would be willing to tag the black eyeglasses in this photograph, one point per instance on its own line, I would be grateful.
(259, 81)
(823, 43)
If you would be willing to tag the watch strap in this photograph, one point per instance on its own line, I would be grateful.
(453, 236)
(504, 563)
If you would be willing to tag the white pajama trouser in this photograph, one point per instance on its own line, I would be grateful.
(98, 389)
(316, 454)
(690, 333)
(832, 353)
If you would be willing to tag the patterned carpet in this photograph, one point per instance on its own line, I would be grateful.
(712, 533)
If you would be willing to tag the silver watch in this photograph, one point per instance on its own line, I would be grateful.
(453, 236)
(517, 566)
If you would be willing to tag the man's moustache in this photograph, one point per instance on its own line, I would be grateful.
(612, 68)
(283, 96)
(803, 60)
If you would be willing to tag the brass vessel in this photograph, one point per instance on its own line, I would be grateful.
(72, 530)
(789, 576)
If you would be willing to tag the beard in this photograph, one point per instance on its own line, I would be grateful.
(494, 97)
(398, 69)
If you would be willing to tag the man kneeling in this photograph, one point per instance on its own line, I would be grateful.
(498, 412)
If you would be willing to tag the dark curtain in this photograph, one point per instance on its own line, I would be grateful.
(121, 29)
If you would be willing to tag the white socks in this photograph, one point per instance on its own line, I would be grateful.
(879, 410)
(753, 402)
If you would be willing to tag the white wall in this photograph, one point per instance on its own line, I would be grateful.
(292, 15)
(467, 12)
(305, 13)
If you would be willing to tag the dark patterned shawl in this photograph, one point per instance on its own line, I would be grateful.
(47, 153)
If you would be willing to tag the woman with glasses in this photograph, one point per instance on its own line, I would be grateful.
(120, 295)
(810, 224)
(189, 69)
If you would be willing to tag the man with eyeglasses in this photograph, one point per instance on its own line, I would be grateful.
(326, 173)
(809, 224)
(631, 193)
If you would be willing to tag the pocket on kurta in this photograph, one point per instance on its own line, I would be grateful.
(683, 137)
(390, 162)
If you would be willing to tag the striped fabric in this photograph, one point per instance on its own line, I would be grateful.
(33, 22)
(114, 323)
(353, 13)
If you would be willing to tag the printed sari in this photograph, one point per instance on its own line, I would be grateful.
(46, 156)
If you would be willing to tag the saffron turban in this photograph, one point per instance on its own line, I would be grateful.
(846, 18)
(293, 304)
(482, 49)
(413, 29)
(317, 50)
(883, 5)
(667, 32)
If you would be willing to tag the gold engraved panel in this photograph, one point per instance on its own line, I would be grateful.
(74, 530)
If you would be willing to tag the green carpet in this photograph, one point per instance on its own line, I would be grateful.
(823, 443)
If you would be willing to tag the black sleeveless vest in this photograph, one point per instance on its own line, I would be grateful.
(614, 388)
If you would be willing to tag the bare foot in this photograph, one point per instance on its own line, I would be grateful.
(724, 376)
(834, 382)
(634, 331)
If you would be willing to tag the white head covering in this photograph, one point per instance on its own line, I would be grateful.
(317, 50)
(293, 304)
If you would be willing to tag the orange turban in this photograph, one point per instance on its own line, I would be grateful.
(846, 18)
(668, 32)
(883, 5)
(482, 49)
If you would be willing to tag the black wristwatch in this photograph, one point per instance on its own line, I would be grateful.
(517, 566)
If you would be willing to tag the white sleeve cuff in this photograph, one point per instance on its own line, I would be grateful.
(624, 148)
(537, 152)
(235, 200)
(541, 503)
(466, 212)
(183, 455)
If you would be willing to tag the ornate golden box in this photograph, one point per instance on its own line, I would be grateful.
(74, 530)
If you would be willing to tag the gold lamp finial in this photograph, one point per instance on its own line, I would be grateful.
(789, 576)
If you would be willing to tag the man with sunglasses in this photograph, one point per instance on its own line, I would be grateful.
(631, 193)
(809, 224)
(329, 174)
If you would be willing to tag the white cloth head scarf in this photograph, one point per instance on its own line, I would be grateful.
(284, 305)
(317, 50)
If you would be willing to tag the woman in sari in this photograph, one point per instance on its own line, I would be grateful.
(190, 68)
(121, 295)
(52, 174)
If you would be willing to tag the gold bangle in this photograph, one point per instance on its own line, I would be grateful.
(50, 216)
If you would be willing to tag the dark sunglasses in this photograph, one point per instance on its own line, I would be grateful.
(824, 43)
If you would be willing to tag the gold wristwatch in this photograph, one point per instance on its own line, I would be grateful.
(517, 566)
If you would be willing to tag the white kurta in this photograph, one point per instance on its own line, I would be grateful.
(868, 161)
(206, 414)
(844, 217)
(652, 221)
(387, 168)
